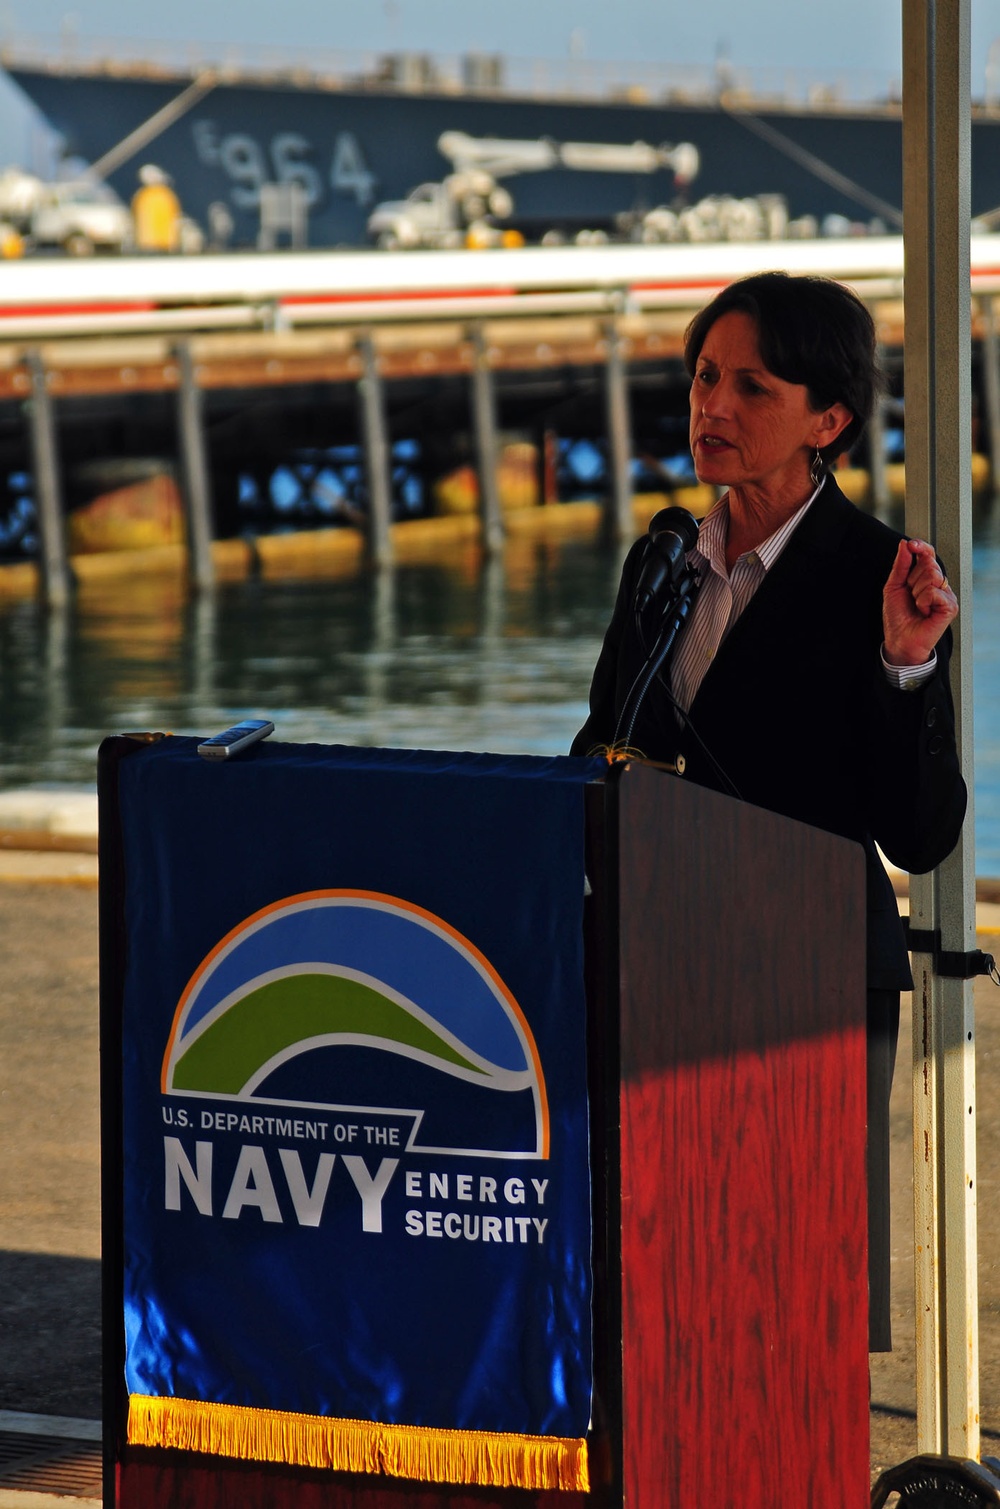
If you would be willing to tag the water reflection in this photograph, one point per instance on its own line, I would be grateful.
(202, 613)
(55, 681)
(454, 652)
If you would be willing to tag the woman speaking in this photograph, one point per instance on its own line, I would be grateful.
(811, 675)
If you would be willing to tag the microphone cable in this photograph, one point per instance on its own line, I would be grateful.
(729, 786)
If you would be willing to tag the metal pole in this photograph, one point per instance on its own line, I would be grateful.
(48, 492)
(936, 176)
(990, 347)
(484, 418)
(619, 502)
(877, 474)
(194, 471)
(377, 458)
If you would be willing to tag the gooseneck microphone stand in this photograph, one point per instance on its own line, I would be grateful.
(664, 597)
(679, 591)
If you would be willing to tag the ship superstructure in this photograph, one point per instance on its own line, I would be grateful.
(351, 135)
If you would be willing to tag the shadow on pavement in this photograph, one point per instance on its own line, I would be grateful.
(50, 1334)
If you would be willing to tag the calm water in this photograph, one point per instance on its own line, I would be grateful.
(452, 655)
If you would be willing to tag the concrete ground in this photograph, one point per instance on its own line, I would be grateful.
(49, 1192)
(893, 1375)
(50, 1240)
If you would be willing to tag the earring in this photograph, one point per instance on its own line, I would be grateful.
(816, 471)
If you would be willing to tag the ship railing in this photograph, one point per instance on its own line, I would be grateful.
(575, 78)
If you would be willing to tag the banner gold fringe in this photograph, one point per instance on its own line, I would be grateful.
(402, 1451)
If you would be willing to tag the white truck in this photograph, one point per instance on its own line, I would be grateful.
(469, 206)
(79, 215)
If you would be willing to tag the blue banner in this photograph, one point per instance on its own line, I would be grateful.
(355, 1101)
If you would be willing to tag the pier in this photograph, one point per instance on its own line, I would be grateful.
(193, 358)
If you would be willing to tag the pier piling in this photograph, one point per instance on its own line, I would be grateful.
(378, 460)
(55, 573)
(194, 470)
(619, 500)
(484, 418)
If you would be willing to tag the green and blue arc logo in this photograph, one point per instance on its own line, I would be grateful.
(353, 1001)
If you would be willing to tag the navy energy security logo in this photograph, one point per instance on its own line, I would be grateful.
(353, 1001)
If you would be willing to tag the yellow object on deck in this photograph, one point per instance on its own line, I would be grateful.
(156, 211)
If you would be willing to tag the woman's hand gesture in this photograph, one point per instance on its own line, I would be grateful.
(917, 604)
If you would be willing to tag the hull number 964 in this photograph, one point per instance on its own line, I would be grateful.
(288, 158)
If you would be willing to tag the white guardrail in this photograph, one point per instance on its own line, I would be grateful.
(56, 297)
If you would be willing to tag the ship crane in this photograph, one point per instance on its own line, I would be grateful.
(465, 208)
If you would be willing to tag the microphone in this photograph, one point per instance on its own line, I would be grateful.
(672, 533)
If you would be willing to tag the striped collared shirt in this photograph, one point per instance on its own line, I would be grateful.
(723, 595)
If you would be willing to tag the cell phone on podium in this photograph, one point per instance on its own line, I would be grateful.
(233, 741)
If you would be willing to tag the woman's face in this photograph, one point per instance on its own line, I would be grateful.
(750, 429)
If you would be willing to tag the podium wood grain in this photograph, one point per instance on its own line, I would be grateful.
(743, 1244)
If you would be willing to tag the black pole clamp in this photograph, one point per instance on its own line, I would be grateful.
(935, 1482)
(949, 965)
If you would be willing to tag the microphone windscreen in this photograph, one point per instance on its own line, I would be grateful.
(672, 533)
(675, 521)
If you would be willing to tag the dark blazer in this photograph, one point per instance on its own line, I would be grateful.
(797, 710)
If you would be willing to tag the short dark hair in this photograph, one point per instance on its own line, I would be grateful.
(812, 331)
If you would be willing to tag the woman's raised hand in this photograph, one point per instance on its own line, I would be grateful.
(917, 604)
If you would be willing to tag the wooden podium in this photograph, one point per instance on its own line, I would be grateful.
(729, 1114)
(725, 964)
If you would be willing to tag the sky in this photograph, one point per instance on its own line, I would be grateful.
(779, 31)
(860, 36)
